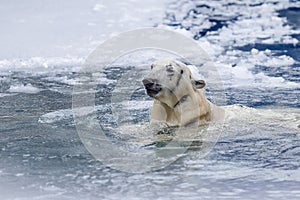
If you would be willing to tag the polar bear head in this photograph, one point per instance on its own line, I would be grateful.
(170, 81)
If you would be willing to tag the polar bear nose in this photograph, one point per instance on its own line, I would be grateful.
(148, 82)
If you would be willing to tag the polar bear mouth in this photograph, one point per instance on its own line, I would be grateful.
(153, 92)
(152, 87)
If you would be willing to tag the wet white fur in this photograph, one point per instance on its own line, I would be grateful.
(171, 106)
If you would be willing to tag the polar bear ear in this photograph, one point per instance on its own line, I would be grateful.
(198, 84)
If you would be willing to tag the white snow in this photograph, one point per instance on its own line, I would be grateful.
(24, 89)
(58, 36)
(57, 28)
(254, 24)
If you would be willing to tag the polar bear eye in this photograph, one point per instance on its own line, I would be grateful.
(152, 66)
(181, 72)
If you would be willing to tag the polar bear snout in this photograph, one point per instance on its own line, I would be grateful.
(151, 86)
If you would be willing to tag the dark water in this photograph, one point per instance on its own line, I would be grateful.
(48, 160)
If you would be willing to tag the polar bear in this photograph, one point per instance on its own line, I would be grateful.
(179, 98)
